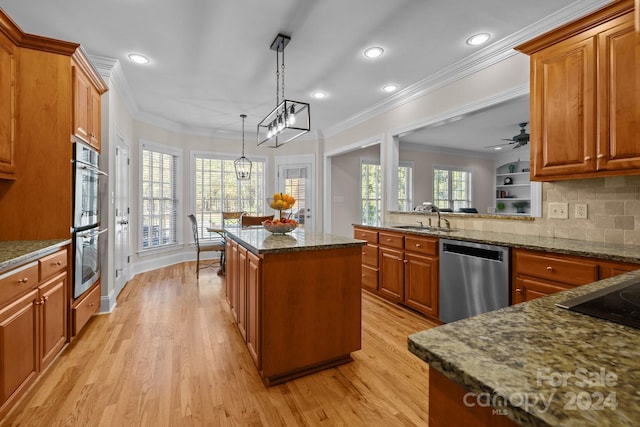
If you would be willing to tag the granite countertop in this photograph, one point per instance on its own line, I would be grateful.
(14, 253)
(260, 241)
(608, 251)
(549, 366)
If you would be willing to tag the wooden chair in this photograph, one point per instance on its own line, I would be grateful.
(231, 217)
(216, 245)
(248, 221)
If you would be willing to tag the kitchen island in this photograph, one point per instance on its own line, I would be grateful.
(533, 364)
(295, 299)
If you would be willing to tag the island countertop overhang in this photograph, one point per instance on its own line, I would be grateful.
(259, 241)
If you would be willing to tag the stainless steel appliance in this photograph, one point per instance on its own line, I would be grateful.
(618, 303)
(85, 188)
(87, 260)
(86, 218)
(474, 278)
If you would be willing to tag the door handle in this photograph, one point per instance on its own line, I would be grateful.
(123, 222)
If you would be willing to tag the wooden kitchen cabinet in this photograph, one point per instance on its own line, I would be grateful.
(369, 258)
(7, 108)
(253, 306)
(391, 264)
(584, 104)
(232, 282)
(421, 278)
(86, 108)
(241, 289)
(33, 323)
(537, 274)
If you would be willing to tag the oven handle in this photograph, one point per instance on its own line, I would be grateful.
(92, 233)
(91, 169)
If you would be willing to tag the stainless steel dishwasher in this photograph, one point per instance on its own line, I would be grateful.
(474, 278)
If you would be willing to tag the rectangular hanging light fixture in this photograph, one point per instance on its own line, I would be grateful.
(290, 119)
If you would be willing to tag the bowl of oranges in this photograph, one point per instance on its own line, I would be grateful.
(281, 202)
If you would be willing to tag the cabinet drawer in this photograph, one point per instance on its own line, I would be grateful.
(564, 270)
(16, 282)
(85, 309)
(392, 240)
(52, 264)
(368, 235)
(422, 245)
(370, 255)
(369, 278)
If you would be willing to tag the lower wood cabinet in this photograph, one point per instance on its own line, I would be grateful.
(537, 274)
(253, 280)
(406, 270)
(33, 323)
(85, 307)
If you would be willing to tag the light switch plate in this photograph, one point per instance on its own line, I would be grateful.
(581, 210)
(559, 210)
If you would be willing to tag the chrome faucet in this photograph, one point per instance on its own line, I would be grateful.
(421, 225)
(434, 208)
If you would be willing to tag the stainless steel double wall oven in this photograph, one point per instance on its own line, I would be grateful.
(86, 218)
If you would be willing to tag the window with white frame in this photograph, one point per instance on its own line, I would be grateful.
(371, 189)
(217, 190)
(158, 196)
(451, 187)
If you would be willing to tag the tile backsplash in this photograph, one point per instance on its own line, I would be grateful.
(613, 212)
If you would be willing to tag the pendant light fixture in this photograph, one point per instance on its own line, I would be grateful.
(290, 119)
(242, 164)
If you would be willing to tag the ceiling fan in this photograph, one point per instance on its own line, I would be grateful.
(520, 140)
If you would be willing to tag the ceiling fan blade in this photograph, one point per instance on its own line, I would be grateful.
(508, 139)
(498, 145)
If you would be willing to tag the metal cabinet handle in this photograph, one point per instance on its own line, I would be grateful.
(549, 268)
(58, 263)
(600, 156)
(587, 158)
(25, 280)
(418, 245)
(518, 290)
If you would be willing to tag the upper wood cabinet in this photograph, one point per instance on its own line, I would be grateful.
(86, 108)
(584, 104)
(7, 108)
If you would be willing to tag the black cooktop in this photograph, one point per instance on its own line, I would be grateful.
(619, 303)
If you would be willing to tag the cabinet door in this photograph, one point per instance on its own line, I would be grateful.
(53, 307)
(254, 285)
(18, 348)
(618, 96)
(81, 97)
(421, 283)
(7, 109)
(242, 292)
(563, 115)
(94, 118)
(232, 279)
(391, 284)
(527, 289)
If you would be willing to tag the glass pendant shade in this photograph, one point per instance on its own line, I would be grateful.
(242, 164)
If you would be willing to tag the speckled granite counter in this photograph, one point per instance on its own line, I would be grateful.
(525, 351)
(17, 252)
(260, 241)
(608, 251)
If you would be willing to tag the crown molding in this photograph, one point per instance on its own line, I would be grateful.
(484, 58)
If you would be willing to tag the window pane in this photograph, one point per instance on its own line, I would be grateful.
(159, 202)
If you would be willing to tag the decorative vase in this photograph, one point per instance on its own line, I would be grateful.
(512, 168)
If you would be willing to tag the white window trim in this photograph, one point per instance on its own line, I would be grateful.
(411, 182)
(166, 149)
(453, 168)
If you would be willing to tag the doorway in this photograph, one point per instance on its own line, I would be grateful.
(295, 177)
(122, 212)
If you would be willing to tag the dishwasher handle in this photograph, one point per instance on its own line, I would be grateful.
(490, 254)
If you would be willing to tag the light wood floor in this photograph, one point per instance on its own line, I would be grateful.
(169, 355)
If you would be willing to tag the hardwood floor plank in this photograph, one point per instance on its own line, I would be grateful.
(170, 355)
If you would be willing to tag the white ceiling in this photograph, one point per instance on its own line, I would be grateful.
(210, 59)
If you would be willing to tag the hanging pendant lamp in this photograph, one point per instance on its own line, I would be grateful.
(242, 164)
(290, 119)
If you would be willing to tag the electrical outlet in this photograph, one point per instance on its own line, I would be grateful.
(559, 210)
(581, 210)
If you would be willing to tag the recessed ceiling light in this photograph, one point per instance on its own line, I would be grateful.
(478, 39)
(390, 88)
(138, 58)
(318, 94)
(373, 52)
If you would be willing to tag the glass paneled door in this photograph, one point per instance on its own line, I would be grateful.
(296, 180)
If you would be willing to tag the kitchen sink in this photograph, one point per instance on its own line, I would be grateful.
(419, 228)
